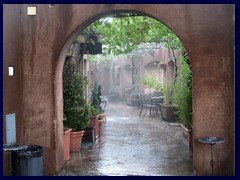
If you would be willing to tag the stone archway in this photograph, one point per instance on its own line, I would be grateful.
(184, 34)
(41, 43)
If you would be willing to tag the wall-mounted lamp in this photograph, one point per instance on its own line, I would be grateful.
(51, 5)
(31, 10)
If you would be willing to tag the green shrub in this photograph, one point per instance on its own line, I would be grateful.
(182, 94)
(99, 94)
(76, 109)
(94, 111)
(164, 89)
(100, 117)
(96, 100)
(153, 83)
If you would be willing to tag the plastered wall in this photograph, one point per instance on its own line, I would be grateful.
(37, 46)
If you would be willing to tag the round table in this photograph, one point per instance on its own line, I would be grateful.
(211, 140)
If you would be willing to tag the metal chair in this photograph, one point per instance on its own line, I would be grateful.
(103, 103)
(153, 106)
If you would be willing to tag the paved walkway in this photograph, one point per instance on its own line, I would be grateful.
(131, 145)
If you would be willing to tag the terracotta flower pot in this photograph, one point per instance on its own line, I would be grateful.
(66, 143)
(94, 123)
(100, 124)
(75, 141)
(104, 116)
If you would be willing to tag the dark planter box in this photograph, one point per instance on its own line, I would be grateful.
(188, 137)
(169, 112)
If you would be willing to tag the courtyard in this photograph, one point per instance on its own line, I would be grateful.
(132, 146)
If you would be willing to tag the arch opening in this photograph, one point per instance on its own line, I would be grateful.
(80, 29)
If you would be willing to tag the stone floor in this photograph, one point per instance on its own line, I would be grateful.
(132, 146)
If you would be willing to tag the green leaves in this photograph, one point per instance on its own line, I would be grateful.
(96, 100)
(182, 94)
(137, 35)
(122, 35)
(76, 109)
(153, 83)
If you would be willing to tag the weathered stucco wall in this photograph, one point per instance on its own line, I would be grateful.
(145, 64)
(12, 91)
(37, 45)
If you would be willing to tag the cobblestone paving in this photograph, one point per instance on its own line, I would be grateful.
(132, 146)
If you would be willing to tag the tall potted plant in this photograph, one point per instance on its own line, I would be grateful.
(168, 109)
(183, 97)
(76, 109)
(102, 114)
(95, 110)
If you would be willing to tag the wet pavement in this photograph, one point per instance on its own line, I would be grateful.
(132, 146)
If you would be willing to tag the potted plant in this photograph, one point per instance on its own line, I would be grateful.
(93, 123)
(96, 111)
(168, 109)
(76, 109)
(102, 114)
(100, 123)
(99, 107)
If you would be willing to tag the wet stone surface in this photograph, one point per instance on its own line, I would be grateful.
(132, 146)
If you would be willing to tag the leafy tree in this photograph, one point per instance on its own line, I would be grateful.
(123, 35)
(131, 34)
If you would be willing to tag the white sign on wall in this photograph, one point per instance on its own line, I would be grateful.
(11, 128)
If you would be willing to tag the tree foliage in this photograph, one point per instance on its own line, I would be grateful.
(96, 100)
(123, 35)
(136, 35)
(76, 109)
(153, 83)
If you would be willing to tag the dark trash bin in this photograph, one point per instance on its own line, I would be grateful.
(28, 161)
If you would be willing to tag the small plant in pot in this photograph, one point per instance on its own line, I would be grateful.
(100, 123)
(96, 110)
(93, 122)
(169, 107)
(96, 98)
(78, 121)
(99, 107)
